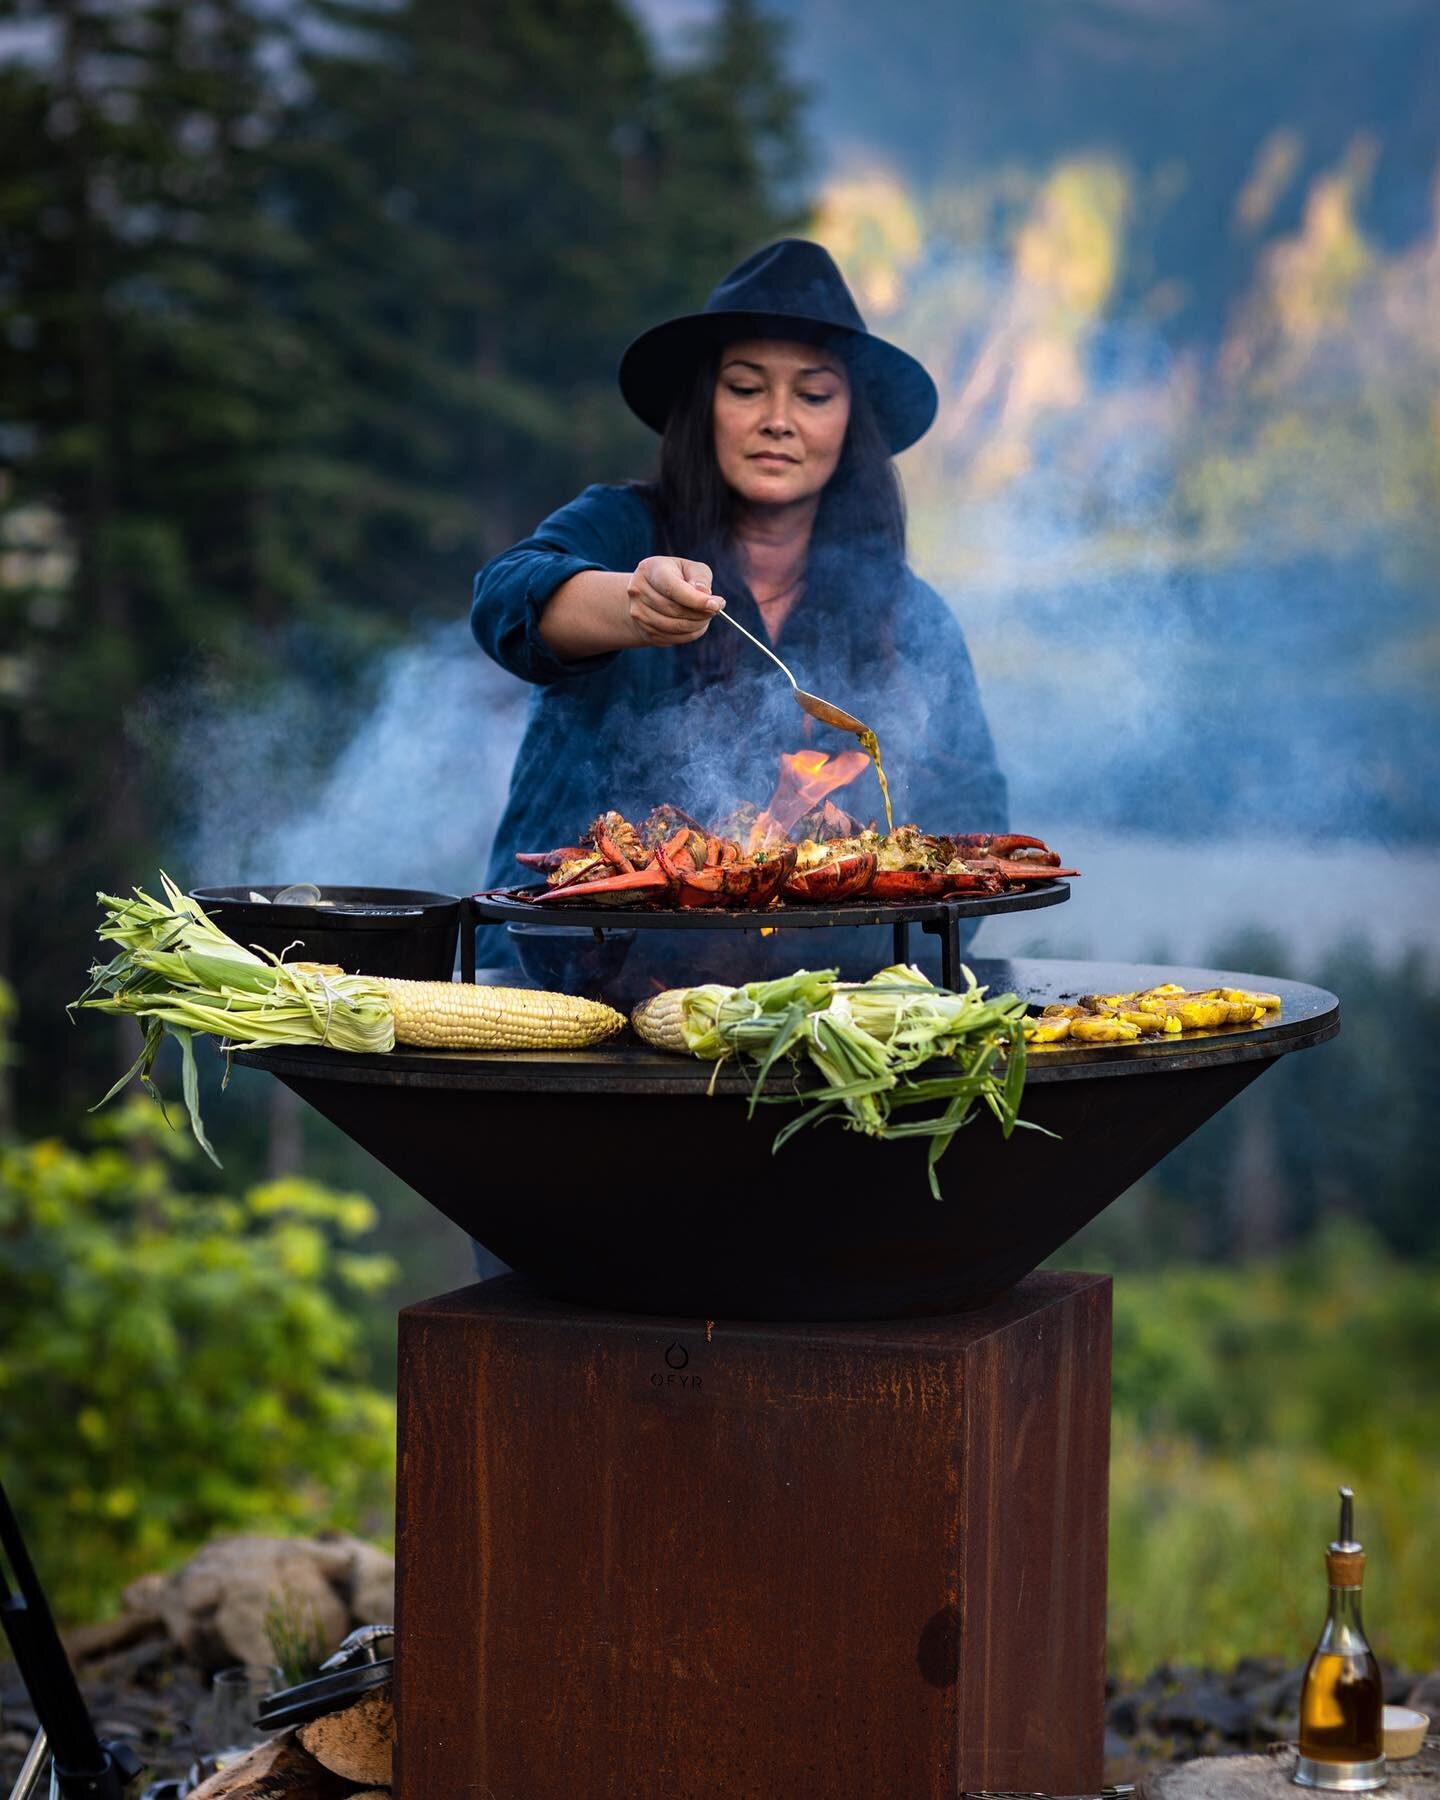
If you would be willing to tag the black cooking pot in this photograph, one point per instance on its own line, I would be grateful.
(409, 933)
(572, 959)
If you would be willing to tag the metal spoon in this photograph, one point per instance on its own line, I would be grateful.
(810, 703)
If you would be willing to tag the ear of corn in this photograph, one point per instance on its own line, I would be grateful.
(868, 1042)
(178, 973)
(445, 1015)
(660, 1020)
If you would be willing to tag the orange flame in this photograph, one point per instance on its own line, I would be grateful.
(806, 777)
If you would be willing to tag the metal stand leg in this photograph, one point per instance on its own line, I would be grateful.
(83, 1767)
(467, 940)
(27, 1782)
(947, 930)
(902, 941)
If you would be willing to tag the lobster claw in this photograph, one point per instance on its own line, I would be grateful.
(1026, 871)
(1002, 845)
(548, 861)
(1024, 849)
(914, 885)
(614, 890)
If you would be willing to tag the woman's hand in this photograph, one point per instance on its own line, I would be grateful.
(670, 601)
(666, 601)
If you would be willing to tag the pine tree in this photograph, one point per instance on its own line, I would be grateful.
(305, 311)
(552, 192)
(149, 403)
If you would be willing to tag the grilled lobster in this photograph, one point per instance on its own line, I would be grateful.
(688, 868)
(672, 860)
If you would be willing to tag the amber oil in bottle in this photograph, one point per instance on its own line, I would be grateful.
(1342, 1696)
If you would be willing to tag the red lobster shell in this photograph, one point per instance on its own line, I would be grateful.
(841, 878)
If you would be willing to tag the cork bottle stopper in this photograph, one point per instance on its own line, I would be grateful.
(1346, 1568)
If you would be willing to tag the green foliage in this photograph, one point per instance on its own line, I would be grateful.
(1214, 1558)
(175, 1365)
(1243, 1399)
(1331, 1348)
(297, 1644)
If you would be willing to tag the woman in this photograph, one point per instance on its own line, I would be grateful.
(776, 501)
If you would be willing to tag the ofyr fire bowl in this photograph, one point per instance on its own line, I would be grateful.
(612, 1177)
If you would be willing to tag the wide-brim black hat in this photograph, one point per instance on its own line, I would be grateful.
(791, 289)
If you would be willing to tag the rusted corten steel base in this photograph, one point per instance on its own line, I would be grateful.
(647, 1559)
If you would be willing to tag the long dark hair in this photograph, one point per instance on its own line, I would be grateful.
(857, 548)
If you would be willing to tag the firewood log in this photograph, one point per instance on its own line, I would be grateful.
(358, 1743)
(278, 1770)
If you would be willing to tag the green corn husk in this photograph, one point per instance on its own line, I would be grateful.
(866, 1040)
(720, 1021)
(178, 973)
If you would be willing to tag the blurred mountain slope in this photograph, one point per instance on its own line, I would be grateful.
(1177, 273)
(1206, 93)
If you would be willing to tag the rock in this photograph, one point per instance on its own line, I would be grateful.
(84, 1643)
(369, 1588)
(143, 1594)
(129, 1730)
(1177, 1712)
(358, 1743)
(279, 1770)
(1219, 1778)
(1122, 1715)
(1276, 1704)
(1201, 1707)
(1267, 1778)
(1424, 1696)
(139, 1665)
(1116, 1747)
(215, 1605)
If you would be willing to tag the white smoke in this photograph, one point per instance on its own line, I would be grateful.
(408, 797)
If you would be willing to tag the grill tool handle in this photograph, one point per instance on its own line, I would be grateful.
(359, 1648)
(85, 1769)
(1118, 1792)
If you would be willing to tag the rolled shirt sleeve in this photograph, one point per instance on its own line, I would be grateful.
(605, 528)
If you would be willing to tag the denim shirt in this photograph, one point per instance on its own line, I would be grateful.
(632, 728)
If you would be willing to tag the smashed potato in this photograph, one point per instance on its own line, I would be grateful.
(1165, 1011)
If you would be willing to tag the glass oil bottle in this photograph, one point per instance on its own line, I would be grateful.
(1342, 1697)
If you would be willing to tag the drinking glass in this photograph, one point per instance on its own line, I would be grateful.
(228, 1727)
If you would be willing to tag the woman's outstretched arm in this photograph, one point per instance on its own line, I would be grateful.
(665, 601)
(585, 585)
